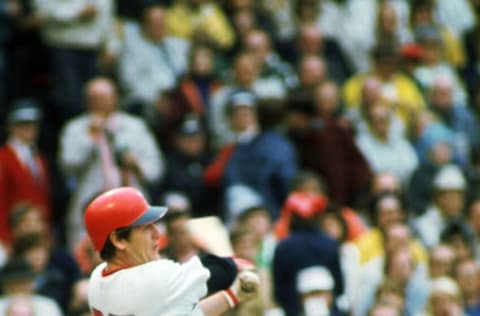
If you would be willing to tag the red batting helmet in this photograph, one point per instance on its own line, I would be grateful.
(117, 208)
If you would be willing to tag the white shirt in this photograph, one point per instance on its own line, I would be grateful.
(146, 68)
(396, 155)
(429, 226)
(63, 28)
(160, 287)
(41, 305)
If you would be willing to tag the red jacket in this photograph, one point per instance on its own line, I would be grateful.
(17, 184)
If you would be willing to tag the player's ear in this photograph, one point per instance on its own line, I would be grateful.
(119, 243)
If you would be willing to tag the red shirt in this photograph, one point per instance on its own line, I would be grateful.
(18, 184)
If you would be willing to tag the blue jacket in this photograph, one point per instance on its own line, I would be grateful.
(266, 164)
(302, 249)
(462, 121)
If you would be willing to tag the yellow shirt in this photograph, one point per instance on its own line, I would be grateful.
(370, 246)
(184, 22)
(410, 100)
(453, 48)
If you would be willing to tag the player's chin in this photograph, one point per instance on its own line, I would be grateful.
(155, 252)
(155, 256)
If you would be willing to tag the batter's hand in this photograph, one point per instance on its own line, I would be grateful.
(245, 288)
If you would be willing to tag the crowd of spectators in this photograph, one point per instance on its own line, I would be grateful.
(337, 141)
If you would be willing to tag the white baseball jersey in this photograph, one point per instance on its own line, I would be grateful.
(160, 287)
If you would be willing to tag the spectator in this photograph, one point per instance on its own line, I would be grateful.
(307, 201)
(312, 70)
(390, 292)
(314, 129)
(193, 94)
(388, 24)
(18, 280)
(251, 233)
(245, 77)
(311, 42)
(435, 150)
(151, 61)
(200, 19)
(26, 219)
(359, 116)
(447, 205)
(25, 172)
(441, 261)
(262, 159)
(458, 118)
(181, 243)
(105, 148)
(422, 14)
(396, 87)
(466, 275)
(273, 72)
(445, 298)
(473, 212)
(388, 216)
(459, 236)
(75, 32)
(433, 64)
(245, 245)
(315, 286)
(28, 73)
(56, 270)
(306, 246)
(383, 151)
(359, 31)
(185, 166)
(401, 269)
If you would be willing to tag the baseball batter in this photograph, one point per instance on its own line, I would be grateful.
(134, 280)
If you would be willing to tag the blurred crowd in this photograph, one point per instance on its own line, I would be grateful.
(337, 141)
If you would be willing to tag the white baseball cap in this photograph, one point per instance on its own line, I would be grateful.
(450, 177)
(316, 278)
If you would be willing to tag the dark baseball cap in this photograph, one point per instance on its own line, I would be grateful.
(23, 111)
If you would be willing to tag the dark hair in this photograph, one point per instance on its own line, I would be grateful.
(374, 203)
(19, 211)
(239, 232)
(457, 228)
(271, 112)
(334, 211)
(28, 242)
(173, 216)
(389, 286)
(303, 176)
(301, 101)
(108, 250)
(299, 223)
(147, 7)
